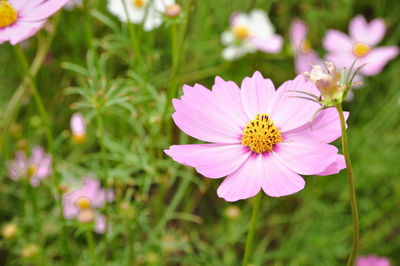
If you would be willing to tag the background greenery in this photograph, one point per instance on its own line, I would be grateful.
(164, 213)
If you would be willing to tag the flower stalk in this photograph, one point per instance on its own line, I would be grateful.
(350, 177)
(253, 222)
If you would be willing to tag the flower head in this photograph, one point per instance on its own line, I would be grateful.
(249, 33)
(304, 54)
(173, 11)
(148, 12)
(83, 202)
(78, 128)
(372, 260)
(361, 45)
(260, 138)
(20, 19)
(38, 167)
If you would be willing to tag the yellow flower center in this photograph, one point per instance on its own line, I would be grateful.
(361, 49)
(83, 203)
(261, 134)
(79, 138)
(305, 46)
(241, 32)
(138, 3)
(8, 15)
(32, 170)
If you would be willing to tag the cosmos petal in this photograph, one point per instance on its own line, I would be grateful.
(210, 160)
(334, 167)
(370, 34)
(337, 41)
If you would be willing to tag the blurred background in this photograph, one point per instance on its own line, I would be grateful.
(164, 213)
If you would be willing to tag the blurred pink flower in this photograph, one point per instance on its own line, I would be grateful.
(78, 128)
(249, 33)
(260, 137)
(87, 198)
(304, 54)
(38, 167)
(20, 19)
(343, 49)
(372, 260)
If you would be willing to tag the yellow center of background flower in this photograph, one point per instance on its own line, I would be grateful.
(32, 170)
(261, 134)
(305, 46)
(83, 203)
(361, 49)
(79, 138)
(138, 3)
(241, 32)
(8, 15)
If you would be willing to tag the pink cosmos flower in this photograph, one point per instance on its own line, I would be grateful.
(83, 202)
(304, 54)
(372, 260)
(38, 167)
(20, 19)
(360, 45)
(260, 138)
(249, 33)
(78, 128)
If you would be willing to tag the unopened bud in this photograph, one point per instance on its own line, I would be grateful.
(29, 251)
(9, 231)
(172, 11)
(232, 212)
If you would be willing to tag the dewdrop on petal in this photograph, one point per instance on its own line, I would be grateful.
(173, 11)
(78, 128)
(9, 231)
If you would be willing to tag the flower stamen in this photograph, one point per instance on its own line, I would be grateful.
(305, 46)
(241, 32)
(83, 203)
(8, 15)
(361, 49)
(139, 3)
(261, 134)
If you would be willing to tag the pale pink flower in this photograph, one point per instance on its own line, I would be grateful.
(86, 199)
(249, 33)
(304, 54)
(38, 167)
(372, 260)
(361, 45)
(78, 128)
(260, 137)
(20, 19)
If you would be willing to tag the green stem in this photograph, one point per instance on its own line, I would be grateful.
(135, 42)
(88, 26)
(350, 177)
(90, 242)
(39, 104)
(250, 235)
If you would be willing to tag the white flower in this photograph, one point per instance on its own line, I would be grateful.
(249, 33)
(78, 128)
(148, 12)
(72, 3)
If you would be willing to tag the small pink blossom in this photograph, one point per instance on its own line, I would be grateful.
(249, 33)
(38, 167)
(20, 19)
(304, 54)
(360, 44)
(372, 260)
(78, 128)
(87, 198)
(260, 138)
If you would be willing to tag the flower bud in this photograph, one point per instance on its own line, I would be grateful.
(86, 216)
(29, 251)
(232, 212)
(9, 231)
(327, 82)
(173, 11)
